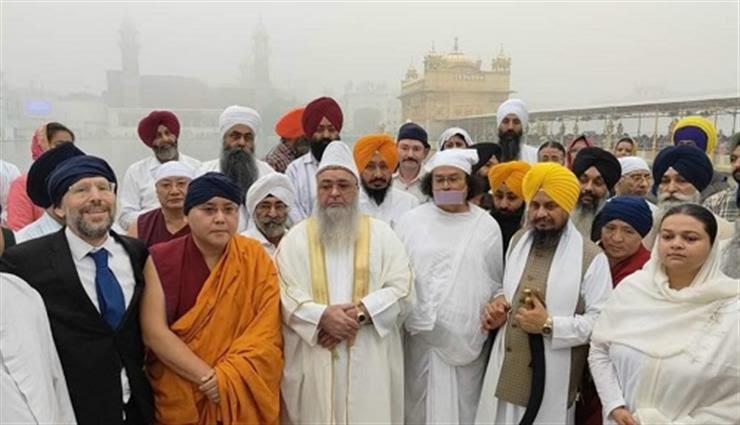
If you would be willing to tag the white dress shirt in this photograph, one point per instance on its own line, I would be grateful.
(8, 173)
(44, 225)
(137, 193)
(413, 187)
(119, 263)
(254, 233)
(302, 174)
(395, 204)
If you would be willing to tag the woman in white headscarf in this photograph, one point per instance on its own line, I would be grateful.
(665, 349)
(454, 138)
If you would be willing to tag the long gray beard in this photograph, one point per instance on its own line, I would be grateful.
(730, 265)
(338, 226)
(583, 217)
(240, 167)
(666, 202)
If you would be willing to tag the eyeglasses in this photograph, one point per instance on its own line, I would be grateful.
(85, 189)
(452, 180)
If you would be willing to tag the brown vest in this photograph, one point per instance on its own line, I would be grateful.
(515, 378)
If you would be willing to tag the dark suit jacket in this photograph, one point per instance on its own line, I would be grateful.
(91, 353)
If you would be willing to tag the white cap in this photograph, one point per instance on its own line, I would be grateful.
(275, 184)
(633, 163)
(464, 159)
(451, 132)
(338, 154)
(512, 106)
(173, 169)
(236, 114)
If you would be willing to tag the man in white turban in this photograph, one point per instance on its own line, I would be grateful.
(346, 288)
(636, 179)
(511, 120)
(239, 127)
(268, 203)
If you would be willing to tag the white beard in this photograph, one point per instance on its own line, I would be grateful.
(583, 218)
(338, 226)
(666, 202)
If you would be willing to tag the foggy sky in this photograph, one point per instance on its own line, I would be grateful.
(563, 54)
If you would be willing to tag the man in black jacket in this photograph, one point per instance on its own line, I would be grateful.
(91, 281)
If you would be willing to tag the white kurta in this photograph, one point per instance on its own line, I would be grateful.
(528, 153)
(136, 193)
(414, 187)
(302, 174)
(564, 286)
(263, 169)
(254, 233)
(361, 383)
(8, 173)
(395, 204)
(44, 225)
(32, 385)
(458, 266)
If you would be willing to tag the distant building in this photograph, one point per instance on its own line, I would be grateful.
(453, 86)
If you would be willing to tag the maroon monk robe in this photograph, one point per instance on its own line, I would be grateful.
(182, 271)
(152, 228)
(629, 265)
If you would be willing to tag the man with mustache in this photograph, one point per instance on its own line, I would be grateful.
(168, 221)
(269, 201)
(346, 290)
(555, 284)
(455, 252)
(597, 171)
(239, 127)
(511, 121)
(322, 121)
(724, 203)
(293, 143)
(680, 173)
(160, 131)
(413, 148)
(508, 198)
(376, 157)
(90, 278)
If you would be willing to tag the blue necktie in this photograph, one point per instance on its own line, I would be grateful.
(110, 295)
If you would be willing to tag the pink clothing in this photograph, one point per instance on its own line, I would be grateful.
(39, 142)
(21, 210)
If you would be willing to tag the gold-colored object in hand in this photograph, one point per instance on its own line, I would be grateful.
(526, 298)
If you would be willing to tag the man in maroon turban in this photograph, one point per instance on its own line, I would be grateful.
(322, 121)
(160, 131)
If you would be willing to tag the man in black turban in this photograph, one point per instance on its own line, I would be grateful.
(597, 171)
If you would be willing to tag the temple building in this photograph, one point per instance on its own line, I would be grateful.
(453, 86)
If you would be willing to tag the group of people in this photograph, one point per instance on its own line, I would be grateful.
(377, 282)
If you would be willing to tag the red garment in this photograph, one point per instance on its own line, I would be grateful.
(317, 110)
(149, 125)
(182, 271)
(152, 228)
(630, 265)
(21, 210)
(568, 157)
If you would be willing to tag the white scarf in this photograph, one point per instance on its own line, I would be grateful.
(646, 314)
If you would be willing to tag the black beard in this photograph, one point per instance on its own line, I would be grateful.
(240, 167)
(377, 195)
(736, 176)
(318, 147)
(509, 142)
(547, 238)
(507, 215)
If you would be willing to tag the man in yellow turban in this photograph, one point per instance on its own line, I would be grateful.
(508, 199)
(376, 157)
(555, 284)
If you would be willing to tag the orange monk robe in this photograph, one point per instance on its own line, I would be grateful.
(235, 327)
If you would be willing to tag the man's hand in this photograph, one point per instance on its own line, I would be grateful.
(209, 387)
(352, 311)
(337, 323)
(495, 314)
(531, 319)
(327, 341)
(622, 416)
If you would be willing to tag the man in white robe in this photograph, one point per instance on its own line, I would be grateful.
(346, 286)
(555, 285)
(268, 202)
(239, 127)
(455, 249)
(160, 131)
(32, 385)
(322, 122)
(511, 120)
(376, 157)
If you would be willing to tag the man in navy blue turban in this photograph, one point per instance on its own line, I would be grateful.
(210, 185)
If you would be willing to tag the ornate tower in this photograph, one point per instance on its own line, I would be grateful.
(129, 45)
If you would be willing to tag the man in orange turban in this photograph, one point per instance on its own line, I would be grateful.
(321, 121)
(555, 284)
(508, 199)
(293, 142)
(376, 158)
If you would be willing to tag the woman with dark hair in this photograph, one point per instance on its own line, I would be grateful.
(551, 151)
(665, 348)
(575, 146)
(21, 210)
(625, 147)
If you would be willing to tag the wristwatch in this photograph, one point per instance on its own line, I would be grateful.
(547, 327)
(362, 317)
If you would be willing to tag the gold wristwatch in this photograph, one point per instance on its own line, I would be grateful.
(547, 327)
